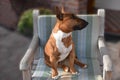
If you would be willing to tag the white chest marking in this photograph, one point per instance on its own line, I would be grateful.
(64, 52)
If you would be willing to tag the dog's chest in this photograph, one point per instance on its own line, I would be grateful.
(64, 51)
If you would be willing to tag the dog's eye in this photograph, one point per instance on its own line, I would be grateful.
(73, 16)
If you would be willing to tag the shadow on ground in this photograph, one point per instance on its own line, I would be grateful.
(12, 49)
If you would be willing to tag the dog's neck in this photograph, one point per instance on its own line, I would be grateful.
(60, 35)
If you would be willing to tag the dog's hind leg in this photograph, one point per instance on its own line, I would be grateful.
(82, 65)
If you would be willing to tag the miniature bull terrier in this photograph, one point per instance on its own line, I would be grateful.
(60, 47)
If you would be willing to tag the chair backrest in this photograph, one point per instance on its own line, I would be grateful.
(85, 40)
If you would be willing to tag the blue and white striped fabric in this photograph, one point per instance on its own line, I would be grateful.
(85, 45)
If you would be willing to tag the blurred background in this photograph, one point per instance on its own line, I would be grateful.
(16, 29)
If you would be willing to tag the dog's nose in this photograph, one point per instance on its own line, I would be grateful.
(85, 24)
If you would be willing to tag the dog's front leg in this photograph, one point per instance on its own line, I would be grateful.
(71, 62)
(54, 64)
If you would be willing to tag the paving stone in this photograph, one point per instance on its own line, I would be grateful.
(12, 48)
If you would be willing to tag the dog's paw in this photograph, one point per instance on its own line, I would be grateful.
(74, 73)
(66, 69)
(85, 66)
(55, 77)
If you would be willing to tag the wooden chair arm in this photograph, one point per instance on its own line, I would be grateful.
(26, 61)
(107, 63)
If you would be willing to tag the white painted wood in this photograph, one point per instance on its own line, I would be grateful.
(101, 13)
(35, 21)
(29, 55)
(107, 63)
(26, 62)
(26, 75)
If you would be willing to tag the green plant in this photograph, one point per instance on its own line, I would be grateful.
(25, 25)
(45, 11)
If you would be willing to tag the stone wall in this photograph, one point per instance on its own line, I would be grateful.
(74, 6)
(8, 17)
(11, 10)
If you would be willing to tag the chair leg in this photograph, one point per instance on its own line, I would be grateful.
(107, 75)
(26, 75)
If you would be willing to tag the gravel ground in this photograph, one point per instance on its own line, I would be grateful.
(114, 52)
(13, 46)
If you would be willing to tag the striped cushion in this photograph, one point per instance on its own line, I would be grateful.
(85, 45)
(43, 72)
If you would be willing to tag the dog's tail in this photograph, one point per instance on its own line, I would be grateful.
(82, 65)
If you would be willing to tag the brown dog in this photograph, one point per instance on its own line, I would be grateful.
(60, 46)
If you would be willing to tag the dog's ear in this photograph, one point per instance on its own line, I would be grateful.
(59, 14)
(63, 9)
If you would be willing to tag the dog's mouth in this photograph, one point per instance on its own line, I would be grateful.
(79, 27)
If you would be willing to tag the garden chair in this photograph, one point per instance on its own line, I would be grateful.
(89, 44)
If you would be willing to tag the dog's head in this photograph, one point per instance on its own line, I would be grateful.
(69, 22)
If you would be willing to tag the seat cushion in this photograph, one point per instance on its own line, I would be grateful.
(43, 72)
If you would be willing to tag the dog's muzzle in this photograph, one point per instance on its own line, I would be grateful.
(79, 27)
